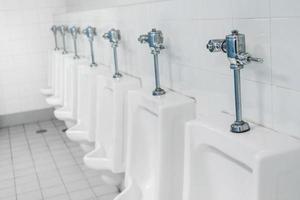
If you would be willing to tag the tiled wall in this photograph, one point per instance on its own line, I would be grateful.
(271, 91)
(24, 43)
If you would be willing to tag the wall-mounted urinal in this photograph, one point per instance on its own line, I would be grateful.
(111, 133)
(84, 130)
(154, 165)
(220, 165)
(68, 112)
(49, 89)
(57, 99)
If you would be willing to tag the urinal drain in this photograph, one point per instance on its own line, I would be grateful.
(41, 131)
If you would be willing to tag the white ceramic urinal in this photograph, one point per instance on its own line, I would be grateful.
(68, 113)
(57, 99)
(84, 130)
(257, 165)
(154, 165)
(110, 143)
(49, 89)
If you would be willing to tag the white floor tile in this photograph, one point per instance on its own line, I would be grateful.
(82, 194)
(54, 191)
(46, 166)
(33, 195)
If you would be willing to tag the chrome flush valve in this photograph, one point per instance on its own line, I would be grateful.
(90, 33)
(236, 51)
(63, 29)
(114, 36)
(234, 46)
(155, 41)
(54, 29)
(74, 32)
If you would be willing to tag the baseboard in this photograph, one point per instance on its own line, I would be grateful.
(26, 117)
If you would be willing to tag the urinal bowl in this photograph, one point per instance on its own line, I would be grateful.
(111, 121)
(154, 165)
(110, 141)
(84, 130)
(220, 165)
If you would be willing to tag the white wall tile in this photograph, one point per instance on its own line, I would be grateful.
(285, 42)
(286, 111)
(250, 8)
(285, 8)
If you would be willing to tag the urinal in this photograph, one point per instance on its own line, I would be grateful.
(258, 165)
(57, 99)
(69, 110)
(110, 143)
(84, 130)
(154, 165)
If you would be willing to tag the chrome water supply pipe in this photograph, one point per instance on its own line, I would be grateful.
(90, 33)
(155, 41)
(54, 30)
(114, 36)
(234, 45)
(74, 32)
(63, 29)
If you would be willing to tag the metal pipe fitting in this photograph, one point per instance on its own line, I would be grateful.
(54, 30)
(114, 36)
(90, 33)
(74, 32)
(234, 46)
(155, 41)
(63, 29)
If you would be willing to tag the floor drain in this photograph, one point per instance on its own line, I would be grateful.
(64, 130)
(41, 131)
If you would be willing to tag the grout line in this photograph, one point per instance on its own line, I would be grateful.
(12, 162)
(57, 168)
(33, 161)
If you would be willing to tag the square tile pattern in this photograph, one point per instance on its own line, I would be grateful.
(46, 166)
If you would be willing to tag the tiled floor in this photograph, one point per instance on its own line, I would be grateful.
(46, 166)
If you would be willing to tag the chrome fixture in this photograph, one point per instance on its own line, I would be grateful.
(235, 47)
(114, 36)
(63, 30)
(90, 33)
(54, 29)
(155, 40)
(74, 32)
